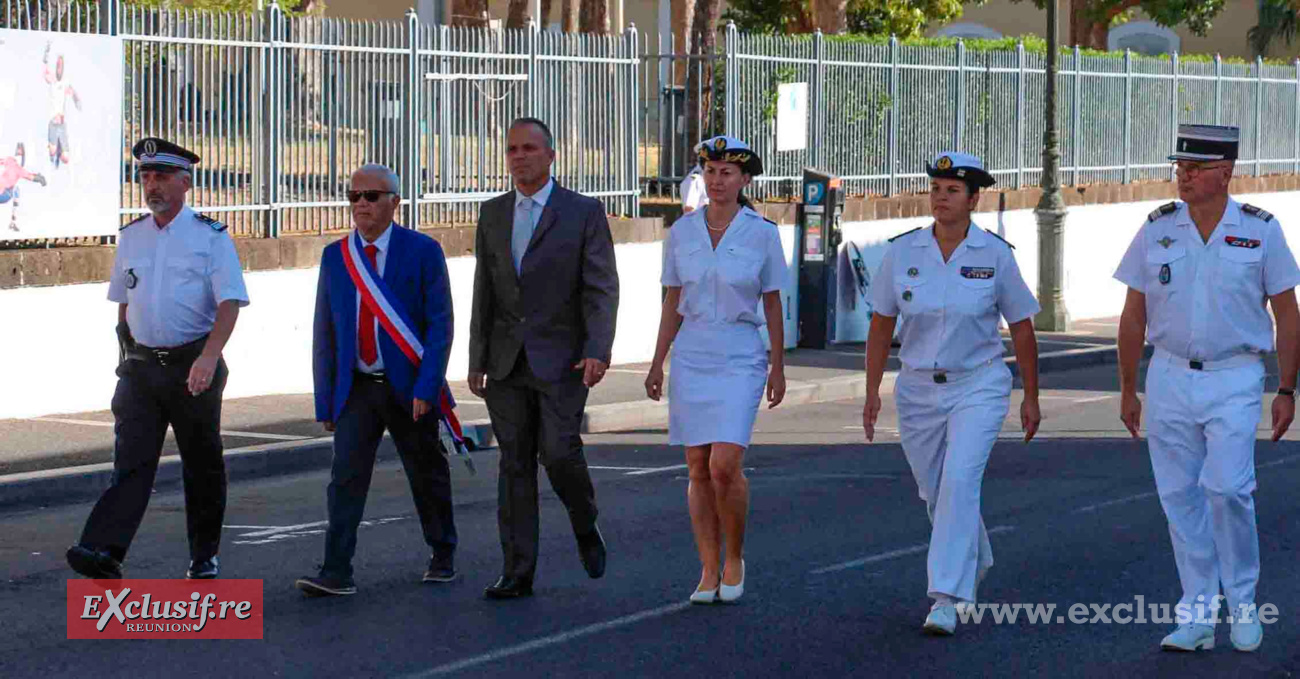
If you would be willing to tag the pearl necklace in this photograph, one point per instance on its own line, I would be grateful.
(711, 227)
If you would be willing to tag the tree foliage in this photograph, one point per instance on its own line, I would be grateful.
(903, 18)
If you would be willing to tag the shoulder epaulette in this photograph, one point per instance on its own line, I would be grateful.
(1000, 238)
(905, 233)
(1166, 209)
(216, 225)
(1252, 210)
(133, 222)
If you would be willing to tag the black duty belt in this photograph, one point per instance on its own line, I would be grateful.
(167, 356)
(378, 377)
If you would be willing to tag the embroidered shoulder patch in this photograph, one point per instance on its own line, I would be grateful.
(905, 233)
(1257, 212)
(977, 272)
(1166, 209)
(1239, 242)
(216, 225)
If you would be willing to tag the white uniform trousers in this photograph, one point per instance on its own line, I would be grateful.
(947, 431)
(1201, 432)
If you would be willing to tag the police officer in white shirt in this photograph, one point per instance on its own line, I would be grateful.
(950, 283)
(179, 286)
(1199, 273)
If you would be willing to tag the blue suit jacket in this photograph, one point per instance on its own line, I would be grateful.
(416, 271)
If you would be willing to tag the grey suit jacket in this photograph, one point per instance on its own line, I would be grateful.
(561, 307)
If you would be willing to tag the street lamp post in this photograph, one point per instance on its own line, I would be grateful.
(1051, 207)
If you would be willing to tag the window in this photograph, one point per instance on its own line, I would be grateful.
(1143, 37)
(968, 30)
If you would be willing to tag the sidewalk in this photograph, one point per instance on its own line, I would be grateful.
(63, 458)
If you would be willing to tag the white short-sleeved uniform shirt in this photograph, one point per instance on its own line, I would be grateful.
(950, 309)
(173, 278)
(723, 285)
(1206, 300)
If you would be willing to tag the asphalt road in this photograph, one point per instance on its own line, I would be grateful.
(835, 555)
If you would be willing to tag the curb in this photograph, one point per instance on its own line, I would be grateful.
(74, 484)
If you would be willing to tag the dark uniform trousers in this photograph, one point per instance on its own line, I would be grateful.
(149, 397)
(372, 406)
(536, 420)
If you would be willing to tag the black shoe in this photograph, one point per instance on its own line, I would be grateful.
(203, 570)
(323, 585)
(591, 547)
(509, 588)
(441, 569)
(94, 564)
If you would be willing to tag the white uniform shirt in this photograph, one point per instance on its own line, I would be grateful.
(381, 256)
(694, 196)
(1209, 302)
(723, 285)
(58, 98)
(173, 278)
(950, 309)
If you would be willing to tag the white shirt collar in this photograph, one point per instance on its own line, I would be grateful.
(382, 241)
(541, 197)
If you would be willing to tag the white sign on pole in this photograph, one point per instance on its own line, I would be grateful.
(60, 135)
(792, 117)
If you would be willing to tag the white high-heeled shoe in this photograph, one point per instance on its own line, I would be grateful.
(704, 596)
(730, 593)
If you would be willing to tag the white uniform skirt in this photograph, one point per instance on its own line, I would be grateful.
(715, 383)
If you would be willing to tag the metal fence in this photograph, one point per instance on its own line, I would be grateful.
(878, 112)
(283, 108)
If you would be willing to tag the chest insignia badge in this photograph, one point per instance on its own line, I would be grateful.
(913, 272)
(1165, 274)
(131, 279)
(977, 272)
(907, 295)
(1166, 242)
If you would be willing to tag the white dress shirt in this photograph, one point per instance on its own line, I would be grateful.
(724, 285)
(381, 256)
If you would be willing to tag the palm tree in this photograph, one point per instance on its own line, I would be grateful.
(1277, 19)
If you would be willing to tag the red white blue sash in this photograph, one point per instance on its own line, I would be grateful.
(381, 301)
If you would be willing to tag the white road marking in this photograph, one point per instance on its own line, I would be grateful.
(272, 534)
(1075, 399)
(894, 554)
(656, 470)
(241, 434)
(617, 469)
(1095, 399)
(552, 640)
(1111, 503)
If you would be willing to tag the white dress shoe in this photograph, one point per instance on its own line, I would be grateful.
(1190, 637)
(1247, 632)
(942, 619)
(730, 593)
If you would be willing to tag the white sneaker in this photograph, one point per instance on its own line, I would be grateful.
(942, 619)
(1247, 632)
(1190, 637)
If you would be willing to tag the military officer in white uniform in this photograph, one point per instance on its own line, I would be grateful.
(950, 283)
(1199, 274)
(179, 287)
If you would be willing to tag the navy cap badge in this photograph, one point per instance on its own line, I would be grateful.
(150, 148)
(944, 163)
(720, 143)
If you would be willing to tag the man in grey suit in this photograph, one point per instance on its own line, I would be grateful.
(542, 327)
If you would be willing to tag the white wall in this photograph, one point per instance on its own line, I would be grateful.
(62, 359)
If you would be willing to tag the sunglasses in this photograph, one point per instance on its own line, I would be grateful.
(370, 196)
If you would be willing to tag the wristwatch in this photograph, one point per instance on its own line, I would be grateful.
(1283, 391)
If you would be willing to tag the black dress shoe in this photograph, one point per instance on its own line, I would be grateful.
(509, 588)
(324, 585)
(441, 569)
(94, 564)
(203, 570)
(591, 547)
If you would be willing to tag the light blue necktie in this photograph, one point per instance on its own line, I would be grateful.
(523, 231)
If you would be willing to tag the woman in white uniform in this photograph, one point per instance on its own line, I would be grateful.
(721, 261)
(950, 283)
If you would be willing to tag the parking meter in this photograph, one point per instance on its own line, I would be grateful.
(817, 244)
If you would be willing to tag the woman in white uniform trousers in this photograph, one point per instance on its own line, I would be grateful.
(950, 283)
(721, 261)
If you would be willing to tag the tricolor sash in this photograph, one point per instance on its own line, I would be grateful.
(381, 301)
